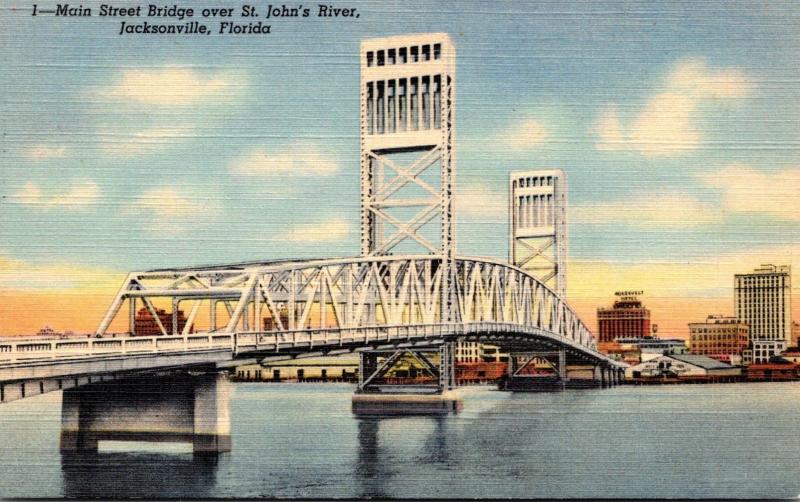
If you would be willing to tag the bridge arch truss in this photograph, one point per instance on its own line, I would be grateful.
(351, 294)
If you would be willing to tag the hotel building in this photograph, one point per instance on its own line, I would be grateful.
(628, 318)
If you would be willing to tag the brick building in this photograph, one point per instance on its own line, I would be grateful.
(719, 337)
(145, 325)
(628, 318)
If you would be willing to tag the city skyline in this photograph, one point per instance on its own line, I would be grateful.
(681, 152)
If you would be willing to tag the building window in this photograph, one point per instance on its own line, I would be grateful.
(437, 51)
(370, 59)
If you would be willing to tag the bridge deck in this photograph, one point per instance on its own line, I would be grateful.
(250, 344)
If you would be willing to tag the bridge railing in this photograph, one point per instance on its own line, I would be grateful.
(310, 338)
(273, 341)
(88, 347)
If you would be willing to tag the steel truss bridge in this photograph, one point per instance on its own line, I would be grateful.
(324, 303)
(380, 304)
(323, 307)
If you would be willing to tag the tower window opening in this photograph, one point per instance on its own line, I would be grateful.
(426, 52)
(370, 109)
(391, 57)
(437, 51)
(401, 105)
(426, 103)
(403, 55)
(380, 58)
(380, 116)
(414, 54)
(414, 95)
(390, 107)
(437, 102)
(370, 59)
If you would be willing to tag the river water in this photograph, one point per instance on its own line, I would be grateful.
(301, 440)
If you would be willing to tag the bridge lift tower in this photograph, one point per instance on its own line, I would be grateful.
(408, 158)
(538, 225)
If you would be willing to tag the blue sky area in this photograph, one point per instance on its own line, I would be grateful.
(676, 122)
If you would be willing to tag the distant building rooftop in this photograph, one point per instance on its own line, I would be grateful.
(769, 269)
(701, 361)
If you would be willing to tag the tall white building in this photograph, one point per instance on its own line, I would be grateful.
(763, 299)
(538, 225)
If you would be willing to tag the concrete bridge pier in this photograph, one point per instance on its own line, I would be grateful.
(413, 381)
(567, 376)
(599, 376)
(610, 377)
(171, 408)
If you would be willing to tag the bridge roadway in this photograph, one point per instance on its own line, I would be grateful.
(33, 367)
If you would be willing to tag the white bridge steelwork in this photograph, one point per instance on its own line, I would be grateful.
(368, 302)
(352, 294)
(293, 308)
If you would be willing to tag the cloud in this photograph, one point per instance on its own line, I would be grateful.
(167, 203)
(173, 86)
(482, 201)
(334, 230)
(80, 195)
(666, 124)
(44, 152)
(609, 129)
(295, 159)
(21, 275)
(168, 211)
(150, 140)
(692, 76)
(649, 211)
(747, 190)
(689, 276)
(525, 135)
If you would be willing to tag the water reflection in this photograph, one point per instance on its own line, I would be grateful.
(379, 455)
(369, 470)
(138, 475)
(302, 441)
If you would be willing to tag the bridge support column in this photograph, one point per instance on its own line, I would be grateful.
(524, 375)
(174, 408)
(407, 381)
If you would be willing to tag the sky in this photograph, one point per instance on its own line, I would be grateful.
(677, 123)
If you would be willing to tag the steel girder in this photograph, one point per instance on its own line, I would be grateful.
(351, 293)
